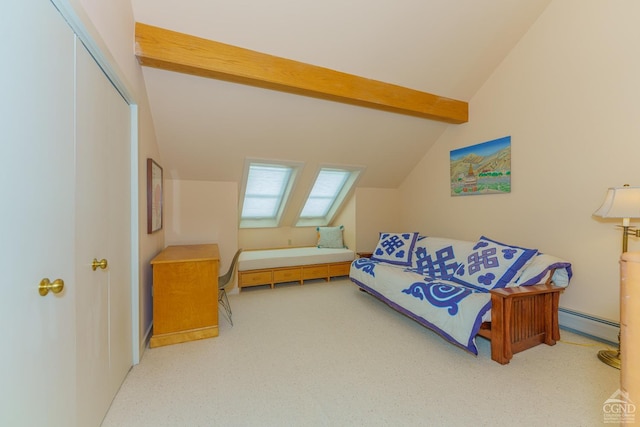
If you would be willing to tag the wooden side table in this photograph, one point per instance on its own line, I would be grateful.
(185, 294)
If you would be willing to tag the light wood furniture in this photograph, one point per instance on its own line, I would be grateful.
(630, 325)
(169, 50)
(185, 294)
(299, 273)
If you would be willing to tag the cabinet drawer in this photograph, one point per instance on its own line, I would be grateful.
(339, 269)
(315, 272)
(287, 275)
(255, 279)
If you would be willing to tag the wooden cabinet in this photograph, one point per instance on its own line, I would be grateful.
(185, 294)
(284, 275)
(315, 272)
(339, 269)
(256, 278)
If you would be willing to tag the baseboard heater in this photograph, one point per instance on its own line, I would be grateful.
(591, 326)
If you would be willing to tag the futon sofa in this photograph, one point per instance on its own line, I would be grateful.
(461, 289)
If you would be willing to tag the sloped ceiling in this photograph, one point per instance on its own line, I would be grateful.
(207, 128)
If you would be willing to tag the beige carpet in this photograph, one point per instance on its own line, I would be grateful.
(325, 354)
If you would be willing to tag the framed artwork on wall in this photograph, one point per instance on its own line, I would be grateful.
(482, 168)
(154, 197)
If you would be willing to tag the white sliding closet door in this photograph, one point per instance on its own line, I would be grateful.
(37, 354)
(103, 301)
(64, 200)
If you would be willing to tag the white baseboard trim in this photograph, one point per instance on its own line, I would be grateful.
(145, 340)
(585, 324)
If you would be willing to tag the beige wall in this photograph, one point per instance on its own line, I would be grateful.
(347, 218)
(568, 96)
(203, 212)
(207, 212)
(111, 25)
(376, 212)
(261, 238)
(150, 244)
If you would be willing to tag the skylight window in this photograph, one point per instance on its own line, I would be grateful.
(324, 193)
(329, 191)
(266, 190)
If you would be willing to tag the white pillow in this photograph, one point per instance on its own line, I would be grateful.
(330, 237)
(538, 271)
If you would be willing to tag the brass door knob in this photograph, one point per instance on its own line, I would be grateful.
(102, 264)
(46, 286)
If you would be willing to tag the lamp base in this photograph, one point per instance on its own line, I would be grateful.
(610, 357)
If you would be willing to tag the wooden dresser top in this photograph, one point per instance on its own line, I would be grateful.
(186, 253)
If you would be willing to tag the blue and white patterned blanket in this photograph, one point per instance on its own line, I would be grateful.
(444, 283)
(452, 310)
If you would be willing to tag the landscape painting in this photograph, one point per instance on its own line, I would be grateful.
(482, 168)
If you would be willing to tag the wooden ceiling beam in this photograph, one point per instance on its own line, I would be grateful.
(169, 50)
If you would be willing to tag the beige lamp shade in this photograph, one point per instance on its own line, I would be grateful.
(620, 202)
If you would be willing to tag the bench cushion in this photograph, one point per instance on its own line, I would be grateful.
(286, 257)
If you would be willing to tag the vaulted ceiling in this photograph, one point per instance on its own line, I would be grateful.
(206, 128)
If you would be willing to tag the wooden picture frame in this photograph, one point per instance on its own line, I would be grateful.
(155, 197)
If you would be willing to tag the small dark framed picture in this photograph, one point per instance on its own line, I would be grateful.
(154, 196)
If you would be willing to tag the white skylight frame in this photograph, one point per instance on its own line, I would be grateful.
(274, 216)
(331, 208)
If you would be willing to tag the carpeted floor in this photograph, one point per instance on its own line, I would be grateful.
(326, 354)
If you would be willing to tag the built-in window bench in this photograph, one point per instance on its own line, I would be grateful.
(272, 266)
